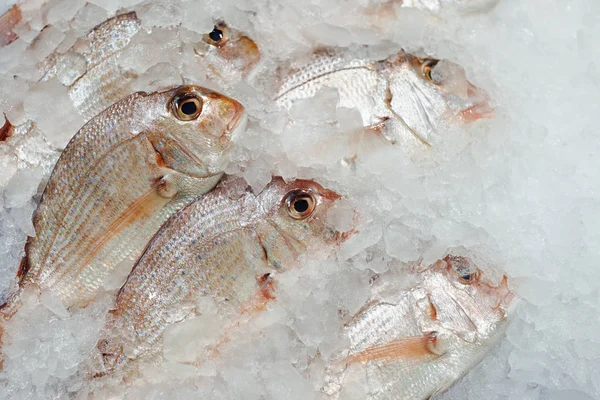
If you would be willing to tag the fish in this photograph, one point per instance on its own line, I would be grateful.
(228, 246)
(120, 177)
(414, 343)
(405, 98)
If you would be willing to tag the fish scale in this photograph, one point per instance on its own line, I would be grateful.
(221, 246)
(102, 82)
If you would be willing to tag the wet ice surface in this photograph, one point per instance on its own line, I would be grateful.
(519, 191)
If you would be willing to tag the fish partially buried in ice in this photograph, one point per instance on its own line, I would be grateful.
(228, 52)
(122, 175)
(406, 98)
(96, 79)
(227, 246)
(412, 344)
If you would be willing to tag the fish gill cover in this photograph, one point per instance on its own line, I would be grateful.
(480, 142)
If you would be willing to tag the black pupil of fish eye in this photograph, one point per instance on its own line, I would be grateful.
(300, 205)
(216, 35)
(466, 277)
(189, 107)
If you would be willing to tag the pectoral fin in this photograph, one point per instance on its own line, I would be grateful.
(148, 204)
(416, 347)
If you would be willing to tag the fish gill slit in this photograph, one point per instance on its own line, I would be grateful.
(287, 239)
(388, 104)
(418, 96)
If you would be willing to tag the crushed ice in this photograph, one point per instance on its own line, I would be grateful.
(520, 191)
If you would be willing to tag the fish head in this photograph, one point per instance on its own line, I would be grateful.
(227, 49)
(296, 221)
(462, 301)
(192, 127)
(428, 94)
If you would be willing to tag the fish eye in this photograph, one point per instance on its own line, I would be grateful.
(300, 204)
(466, 275)
(427, 67)
(187, 106)
(218, 36)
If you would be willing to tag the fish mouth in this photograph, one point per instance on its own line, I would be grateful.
(239, 121)
(478, 111)
(481, 107)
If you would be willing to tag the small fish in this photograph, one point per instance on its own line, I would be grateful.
(404, 97)
(412, 344)
(122, 175)
(226, 246)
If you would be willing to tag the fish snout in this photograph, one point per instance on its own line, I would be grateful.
(238, 122)
(481, 108)
(225, 118)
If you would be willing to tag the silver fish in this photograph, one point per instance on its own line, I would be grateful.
(404, 97)
(122, 175)
(226, 246)
(412, 344)
(90, 68)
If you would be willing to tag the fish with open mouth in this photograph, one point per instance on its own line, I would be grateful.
(121, 176)
(411, 344)
(405, 98)
(226, 246)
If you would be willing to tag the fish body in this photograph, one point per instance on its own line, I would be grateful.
(225, 246)
(90, 68)
(403, 97)
(412, 344)
(121, 176)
